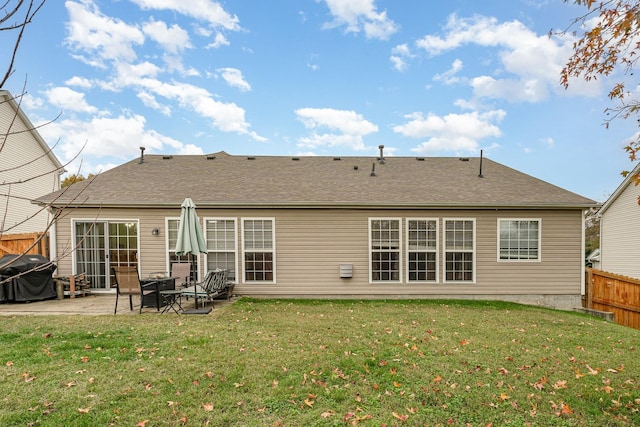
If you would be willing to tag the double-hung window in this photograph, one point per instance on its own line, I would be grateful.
(221, 245)
(459, 250)
(422, 250)
(384, 241)
(259, 249)
(519, 239)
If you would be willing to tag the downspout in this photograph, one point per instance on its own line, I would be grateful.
(582, 269)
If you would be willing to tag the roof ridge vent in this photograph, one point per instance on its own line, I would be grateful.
(463, 159)
(211, 157)
(337, 158)
(251, 158)
(420, 159)
(167, 157)
(295, 158)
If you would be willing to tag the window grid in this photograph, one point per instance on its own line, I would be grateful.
(459, 250)
(519, 239)
(385, 250)
(258, 247)
(422, 246)
(221, 245)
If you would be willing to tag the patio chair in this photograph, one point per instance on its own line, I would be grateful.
(182, 272)
(128, 283)
(211, 287)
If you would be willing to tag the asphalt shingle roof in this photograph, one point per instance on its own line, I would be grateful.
(227, 180)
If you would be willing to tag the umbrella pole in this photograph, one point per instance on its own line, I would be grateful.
(195, 282)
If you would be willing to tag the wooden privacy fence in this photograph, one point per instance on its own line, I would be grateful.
(20, 243)
(614, 293)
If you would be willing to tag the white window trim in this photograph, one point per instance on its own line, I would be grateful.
(444, 251)
(400, 263)
(235, 230)
(273, 250)
(539, 259)
(106, 221)
(168, 249)
(437, 250)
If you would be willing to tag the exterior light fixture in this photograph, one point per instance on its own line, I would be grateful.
(155, 231)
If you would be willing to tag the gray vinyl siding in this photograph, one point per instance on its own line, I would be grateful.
(312, 243)
(620, 234)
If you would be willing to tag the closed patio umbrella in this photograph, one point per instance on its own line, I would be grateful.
(190, 239)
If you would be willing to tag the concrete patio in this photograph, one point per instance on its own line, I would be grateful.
(91, 305)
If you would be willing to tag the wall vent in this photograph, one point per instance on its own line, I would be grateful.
(346, 271)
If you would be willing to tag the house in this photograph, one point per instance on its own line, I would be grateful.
(343, 227)
(620, 229)
(28, 170)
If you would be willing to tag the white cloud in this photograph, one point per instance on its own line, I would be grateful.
(234, 78)
(450, 77)
(361, 15)
(113, 43)
(346, 128)
(204, 10)
(100, 38)
(173, 39)
(69, 100)
(218, 41)
(530, 63)
(119, 137)
(80, 82)
(399, 56)
(457, 133)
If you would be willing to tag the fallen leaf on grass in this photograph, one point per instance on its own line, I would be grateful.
(142, 423)
(400, 417)
(207, 406)
(327, 414)
(84, 410)
(27, 377)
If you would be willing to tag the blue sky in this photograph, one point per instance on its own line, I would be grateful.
(319, 77)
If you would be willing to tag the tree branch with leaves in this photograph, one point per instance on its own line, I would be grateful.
(609, 46)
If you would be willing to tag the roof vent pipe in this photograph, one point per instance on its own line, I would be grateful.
(381, 147)
(480, 174)
(373, 169)
(141, 154)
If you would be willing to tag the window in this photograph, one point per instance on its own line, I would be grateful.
(459, 250)
(422, 250)
(384, 238)
(221, 245)
(519, 239)
(259, 252)
(173, 224)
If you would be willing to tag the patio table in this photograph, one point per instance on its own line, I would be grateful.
(154, 299)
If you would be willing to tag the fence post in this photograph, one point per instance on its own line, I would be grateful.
(589, 278)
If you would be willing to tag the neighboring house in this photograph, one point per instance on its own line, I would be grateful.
(620, 229)
(338, 227)
(28, 170)
(593, 259)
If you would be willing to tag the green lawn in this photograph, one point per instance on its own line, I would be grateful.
(305, 363)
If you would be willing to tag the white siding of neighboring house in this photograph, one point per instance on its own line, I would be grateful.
(620, 234)
(23, 158)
